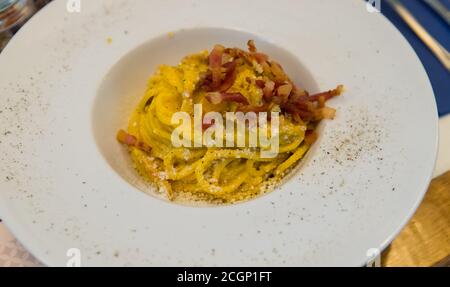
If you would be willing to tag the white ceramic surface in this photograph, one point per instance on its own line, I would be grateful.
(443, 159)
(62, 188)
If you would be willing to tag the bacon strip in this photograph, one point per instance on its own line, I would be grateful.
(216, 98)
(328, 113)
(290, 108)
(297, 99)
(125, 138)
(251, 46)
(215, 64)
(328, 95)
(277, 89)
(205, 125)
(261, 58)
(311, 137)
(269, 87)
(260, 83)
(284, 92)
(307, 116)
(278, 72)
(230, 77)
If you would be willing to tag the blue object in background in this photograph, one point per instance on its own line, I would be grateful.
(440, 30)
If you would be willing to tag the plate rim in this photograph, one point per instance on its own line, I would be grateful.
(20, 232)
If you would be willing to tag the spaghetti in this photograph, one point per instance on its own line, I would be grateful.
(224, 80)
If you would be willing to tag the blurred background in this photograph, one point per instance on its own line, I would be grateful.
(438, 27)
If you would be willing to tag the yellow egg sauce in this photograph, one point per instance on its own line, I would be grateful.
(213, 175)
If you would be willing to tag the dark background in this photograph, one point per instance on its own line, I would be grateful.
(439, 29)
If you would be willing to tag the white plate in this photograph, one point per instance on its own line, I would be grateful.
(64, 182)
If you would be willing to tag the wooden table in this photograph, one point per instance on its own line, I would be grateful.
(425, 241)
